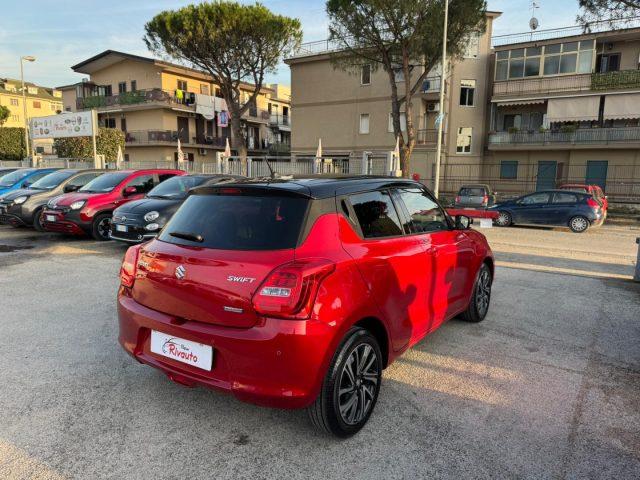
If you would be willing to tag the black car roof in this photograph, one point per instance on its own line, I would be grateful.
(318, 186)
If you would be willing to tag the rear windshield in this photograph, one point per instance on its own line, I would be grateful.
(104, 183)
(237, 222)
(52, 180)
(472, 192)
(576, 189)
(176, 187)
(14, 177)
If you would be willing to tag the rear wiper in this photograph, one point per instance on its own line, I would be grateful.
(192, 237)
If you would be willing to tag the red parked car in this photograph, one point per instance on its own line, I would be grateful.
(594, 190)
(298, 293)
(88, 211)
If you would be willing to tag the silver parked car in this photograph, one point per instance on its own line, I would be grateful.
(475, 196)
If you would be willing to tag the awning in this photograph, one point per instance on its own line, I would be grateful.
(520, 102)
(574, 109)
(622, 107)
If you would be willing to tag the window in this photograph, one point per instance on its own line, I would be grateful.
(509, 170)
(239, 222)
(365, 75)
(110, 123)
(107, 91)
(564, 198)
(81, 180)
(36, 105)
(182, 85)
(204, 89)
(134, 85)
(15, 118)
(67, 109)
(609, 62)
(364, 123)
(53, 107)
(376, 214)
(122, 87)
(14, 102)
(403, 122)
(218, 93)
(398, 74)
(105, 183)
(467, 92)
(535, 199)
(463, 144)
(425, 215)
(143, 183)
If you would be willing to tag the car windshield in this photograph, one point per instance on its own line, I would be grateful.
(51, 181)
(14, 177)
(472, 192)
(176, 187)
(104, 183)
(237, 222)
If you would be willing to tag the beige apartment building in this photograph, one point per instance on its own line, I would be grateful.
(157, 103)
(41, 101)
(524, 112)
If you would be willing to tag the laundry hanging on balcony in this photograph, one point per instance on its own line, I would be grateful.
(573, 109)
(205, 106)
(223, 119)
(622, 107)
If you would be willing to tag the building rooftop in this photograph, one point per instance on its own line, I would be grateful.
(12, 86)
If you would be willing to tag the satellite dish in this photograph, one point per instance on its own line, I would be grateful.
(534, 23)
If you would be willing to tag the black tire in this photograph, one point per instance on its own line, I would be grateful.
(504, 219)
(101, 226)
(37, 220)
(480, 297)
(579, 224)
(333, 411)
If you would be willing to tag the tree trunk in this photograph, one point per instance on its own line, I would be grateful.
(407, 151)
(395, 119)
(239, 140)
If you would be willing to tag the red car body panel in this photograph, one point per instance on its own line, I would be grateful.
(408, 285)
(594, 190)
(79, 222)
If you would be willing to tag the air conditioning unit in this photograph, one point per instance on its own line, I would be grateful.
(202, 151)
(433, 107)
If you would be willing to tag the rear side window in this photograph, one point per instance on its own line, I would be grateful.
(535, 199)
(564, 198)
(238, 222)
(376, 214)
(472, 192)
(425, 215)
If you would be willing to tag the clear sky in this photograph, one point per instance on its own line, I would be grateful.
(63, 33)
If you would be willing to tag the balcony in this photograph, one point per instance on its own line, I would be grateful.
(627, 137)
(428, 138)
(150, 97)
(615, 80)
(280, 120)
(431, 85)
(170, 137)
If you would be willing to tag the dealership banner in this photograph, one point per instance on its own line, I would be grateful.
(64, 125)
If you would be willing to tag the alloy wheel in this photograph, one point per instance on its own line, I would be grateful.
(503, 219)
(579, 224)
(104, 227)
(483, 292)
(358, 384)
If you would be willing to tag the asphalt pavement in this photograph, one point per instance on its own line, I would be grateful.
(548, 386)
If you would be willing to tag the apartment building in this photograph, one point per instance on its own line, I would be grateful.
(524, 112)
(351, 111)
(567, 109)
(41, 101)
(157, 103)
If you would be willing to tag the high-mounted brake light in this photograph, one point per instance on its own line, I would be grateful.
(291, 289)
(129, 266)
(230, 191)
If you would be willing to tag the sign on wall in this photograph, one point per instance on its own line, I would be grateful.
(64, 125)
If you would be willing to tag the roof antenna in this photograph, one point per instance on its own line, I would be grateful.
(533, 23)
(273, 174)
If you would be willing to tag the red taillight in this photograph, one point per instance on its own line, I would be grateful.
(593, 203)
(290, 290)
(129, 266)
(458, 199)
(485, 199)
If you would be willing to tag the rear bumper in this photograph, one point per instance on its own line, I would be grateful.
(277, 363)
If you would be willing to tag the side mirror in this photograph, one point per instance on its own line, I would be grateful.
(463, 222)
(130, 191)
(71, 188)
(25, 184)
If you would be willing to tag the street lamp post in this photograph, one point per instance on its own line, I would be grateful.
(28, 58)
(443, 79)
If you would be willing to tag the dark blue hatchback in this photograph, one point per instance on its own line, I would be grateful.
(562, 208)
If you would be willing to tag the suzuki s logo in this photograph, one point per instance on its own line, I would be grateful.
(234, 279)
(180, 272)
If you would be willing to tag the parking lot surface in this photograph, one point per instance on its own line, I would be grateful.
(548, 386)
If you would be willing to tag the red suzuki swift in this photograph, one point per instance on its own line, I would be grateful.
(298, 293)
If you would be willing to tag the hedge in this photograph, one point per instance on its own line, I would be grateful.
(12, 143)
(107, 143)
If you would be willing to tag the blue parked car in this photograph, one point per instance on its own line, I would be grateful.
(560, 208)
(22, 178)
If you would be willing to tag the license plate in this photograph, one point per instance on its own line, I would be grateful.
(121, 228)
(51, 218)
(181, 350)
(486, 223)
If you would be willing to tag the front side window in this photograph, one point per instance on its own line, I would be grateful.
(535, 199)
(105, 183)
(176, 187)
(463, 144)
(142, 184)
(376, 214)
(467, 92)
(51, 181)
(82, 180)
(425, 215)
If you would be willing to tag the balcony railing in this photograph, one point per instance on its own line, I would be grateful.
(428, 137)
(170, 137)
(138, 97)
(615, 80)
(593, 136)
(280, 120)
(430, 85)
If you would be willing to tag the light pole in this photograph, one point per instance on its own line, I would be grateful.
(443, 79)
(28, 58)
